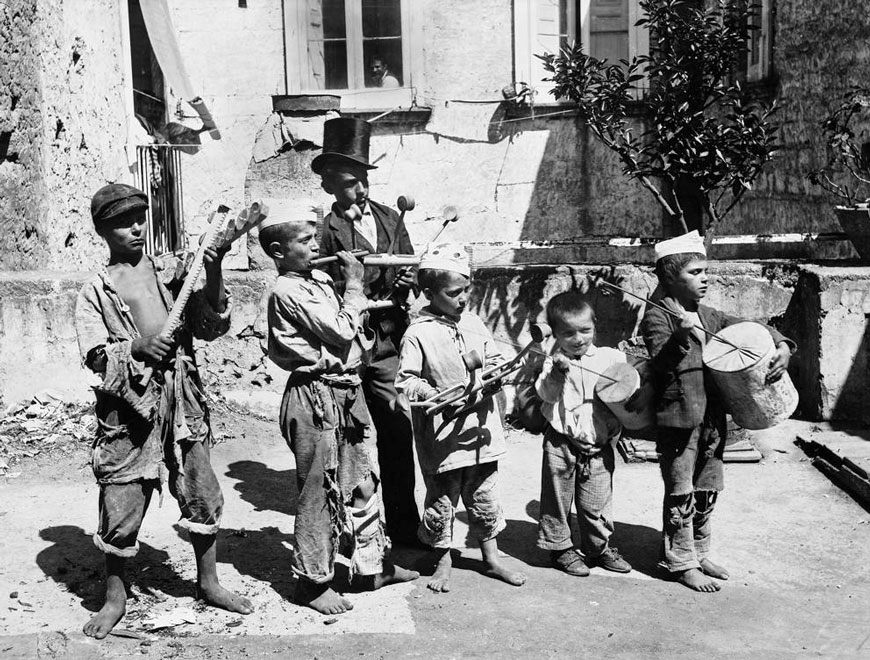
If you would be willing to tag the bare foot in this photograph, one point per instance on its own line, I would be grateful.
(113, 610)
(499, 572)
(393, 574)
(321, 598)
(214, 594)
(714, 570)
(440, 580)
(695, 579)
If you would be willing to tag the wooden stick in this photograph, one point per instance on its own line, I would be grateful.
(174, 319)
(709, 333)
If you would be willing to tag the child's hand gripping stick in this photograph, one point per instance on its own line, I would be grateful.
(218, 236)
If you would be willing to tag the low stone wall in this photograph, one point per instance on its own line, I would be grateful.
(822, 308)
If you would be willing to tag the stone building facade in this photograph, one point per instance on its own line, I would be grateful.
(530, 183)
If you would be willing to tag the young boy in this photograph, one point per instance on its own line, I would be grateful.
(357, 222)
(316, 336)
(153, 419)
(689, 413)
(578, 454)
(458, 453)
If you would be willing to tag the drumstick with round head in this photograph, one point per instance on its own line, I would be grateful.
(450, 214)
(404, 203)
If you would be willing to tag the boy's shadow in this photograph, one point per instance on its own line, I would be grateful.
(638, 544)
(264, 488)
(74, 562)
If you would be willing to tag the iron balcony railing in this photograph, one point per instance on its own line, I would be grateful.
(158, 174)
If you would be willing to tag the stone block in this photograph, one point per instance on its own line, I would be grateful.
(828, 318)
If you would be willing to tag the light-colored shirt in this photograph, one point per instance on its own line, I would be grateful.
(431, 359)
(312, 330)
(367, 227)
(569, 402)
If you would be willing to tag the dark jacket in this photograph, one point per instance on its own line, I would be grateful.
(337, 235)
(685, 394)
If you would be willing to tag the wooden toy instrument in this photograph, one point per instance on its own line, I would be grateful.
(482, 383)
(219, 234)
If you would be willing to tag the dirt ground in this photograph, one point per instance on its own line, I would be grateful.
(797, 548)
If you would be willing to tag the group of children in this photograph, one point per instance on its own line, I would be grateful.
(154, 426)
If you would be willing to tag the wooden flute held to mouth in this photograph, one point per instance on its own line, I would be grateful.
(385, 260)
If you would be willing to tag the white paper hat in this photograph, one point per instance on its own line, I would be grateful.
(691, 242)
(449, 257)
(284, 210)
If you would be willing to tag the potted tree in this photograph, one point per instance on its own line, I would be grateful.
(701, 141)
(850, 155)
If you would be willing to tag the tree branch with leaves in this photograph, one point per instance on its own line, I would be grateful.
(697, 124)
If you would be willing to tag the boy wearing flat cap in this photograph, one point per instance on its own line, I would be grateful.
(690, 416)
(153, 423)
(357, 222)
(458, 448)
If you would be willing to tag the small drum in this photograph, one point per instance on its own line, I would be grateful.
(617, 385)
(740, 376)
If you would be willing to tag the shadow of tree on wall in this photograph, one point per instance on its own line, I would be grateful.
(579, 190)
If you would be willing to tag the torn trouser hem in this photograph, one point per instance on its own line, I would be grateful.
(370, 541)
(199, 528)
(105, 548)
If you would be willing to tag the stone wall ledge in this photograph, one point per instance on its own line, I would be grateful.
(823, 307)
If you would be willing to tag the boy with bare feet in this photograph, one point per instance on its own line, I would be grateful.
(458, 448)
(578, 453)
(689, 413)
(318, 337)
(152, 414)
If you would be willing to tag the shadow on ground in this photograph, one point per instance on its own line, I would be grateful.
(264, 488)
(638, 544)
(74, 562)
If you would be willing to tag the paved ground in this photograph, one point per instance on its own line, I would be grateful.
(796, 546)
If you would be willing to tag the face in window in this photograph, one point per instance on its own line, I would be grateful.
(450, 297)
(125, 235)
(574, 333)
(349, 184)
(690, 286)
(378, 69)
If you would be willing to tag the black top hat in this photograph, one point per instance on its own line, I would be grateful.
(347, 139)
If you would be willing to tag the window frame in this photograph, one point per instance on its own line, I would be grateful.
(763, 69)
(361, 97)
(525, 35)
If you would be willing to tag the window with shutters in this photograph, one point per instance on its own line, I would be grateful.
(362, 50)
(605, 27)
(760, 43)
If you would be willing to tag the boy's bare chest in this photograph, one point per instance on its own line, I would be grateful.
(137, 287)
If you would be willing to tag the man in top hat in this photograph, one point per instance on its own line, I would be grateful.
(356, 222)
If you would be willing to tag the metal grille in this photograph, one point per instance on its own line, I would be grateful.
(158, 173)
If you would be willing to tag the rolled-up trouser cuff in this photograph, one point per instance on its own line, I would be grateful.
(200, 528)
(489, 532)
(679, 567)
(105, 548)
(555, 545)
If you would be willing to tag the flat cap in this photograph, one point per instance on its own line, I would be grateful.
(115, 200)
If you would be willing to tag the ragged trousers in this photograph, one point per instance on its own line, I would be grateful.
(329, 431)
(692, 470)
